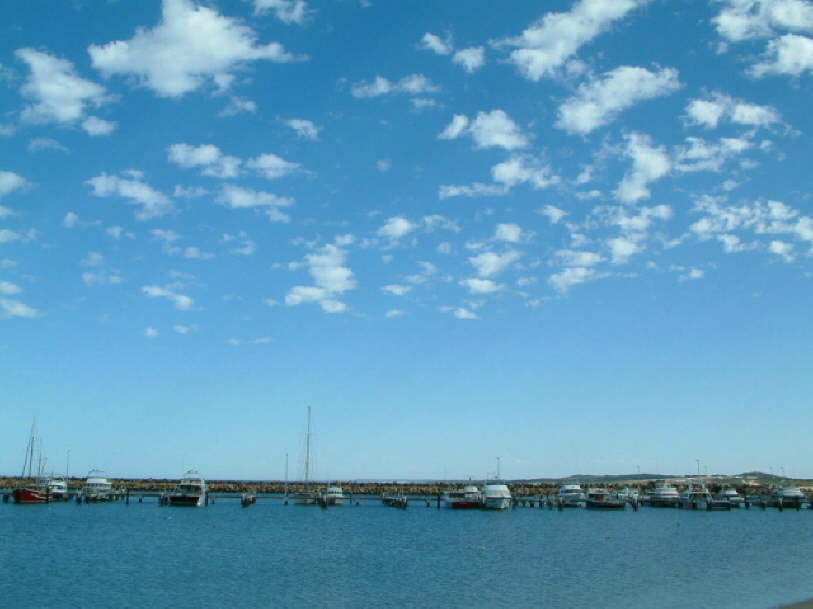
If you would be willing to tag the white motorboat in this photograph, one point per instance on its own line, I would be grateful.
(570, 495)
(496, 496)
(190, 492)
(788, 496)
(665, 495)
(732, 496)
(697, 497)
(97, 488)
(468, 497)
(58, 489)
(333, 495)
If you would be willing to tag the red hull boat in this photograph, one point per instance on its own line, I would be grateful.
(30, 495)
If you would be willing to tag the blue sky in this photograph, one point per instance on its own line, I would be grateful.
(575, 235)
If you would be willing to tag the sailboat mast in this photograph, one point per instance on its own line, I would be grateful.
(308, 447)
(286, 475)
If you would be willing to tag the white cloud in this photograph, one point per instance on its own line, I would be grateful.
(552, 213)
(709, 112)
(456, 128)
(93, 259)
(287, 11)
(578, 258)
(692, 275)
(760, 218)
(331, 278)
(397, 289)
(57, 94)
(151, 332)
(598, 102)
(524, 169)
(15, 308)
(623, 248)
(45, 143)
(477, 189)
(191, 46)
(545, 46)
(181, 301)
(71, 220)
(393, 313)
(238, 105)
(431, 42)
(10, 181)
(97, 126)
(383, 165)
(101, 278)
(481, 286)
(493, 129)
(470, 59)
(414, 84)
(700, 155)
(791, 54)
(491, 263)
(567, 278)
(236, 197)
(305, 129)
(207, 156)
(271, 166)
(9, 289)
(747, 19)
(246, 246)
(460, 312)
(396, 227)
(511, 233)
(6, 212)
(153, 203)
(649, 163)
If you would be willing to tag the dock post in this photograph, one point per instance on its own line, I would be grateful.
(127, 497)
(438, 501)
(140, 498)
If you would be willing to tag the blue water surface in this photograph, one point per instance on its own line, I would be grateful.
(271, 555)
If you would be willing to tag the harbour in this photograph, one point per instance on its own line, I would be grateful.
(272, 554)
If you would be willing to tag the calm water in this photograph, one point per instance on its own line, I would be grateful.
(270, 555)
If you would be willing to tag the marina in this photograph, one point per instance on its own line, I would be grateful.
(416, 557)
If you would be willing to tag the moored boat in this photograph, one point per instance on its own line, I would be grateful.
(58, 489)
(697, 497)
(664, 496)
(788, 496)
(190, 492)
(468, 497)
(97, 488)
(731, 495)
(36, 489)
(602, 499)
(570, 495)
(496, 496)
(333, 495)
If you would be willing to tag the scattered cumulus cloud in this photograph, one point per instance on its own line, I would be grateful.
(152, 203)
(546, 46)
(599, 101)
(205, 46)
(55, 92)
(493, 129)
(414, 84)
(287, 11)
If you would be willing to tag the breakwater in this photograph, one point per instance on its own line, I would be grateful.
(378, 488)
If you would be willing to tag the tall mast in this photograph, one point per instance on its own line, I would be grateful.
(308, 447)
(286, 474)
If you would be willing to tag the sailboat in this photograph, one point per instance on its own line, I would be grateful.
(37, 490)
(307, 496)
